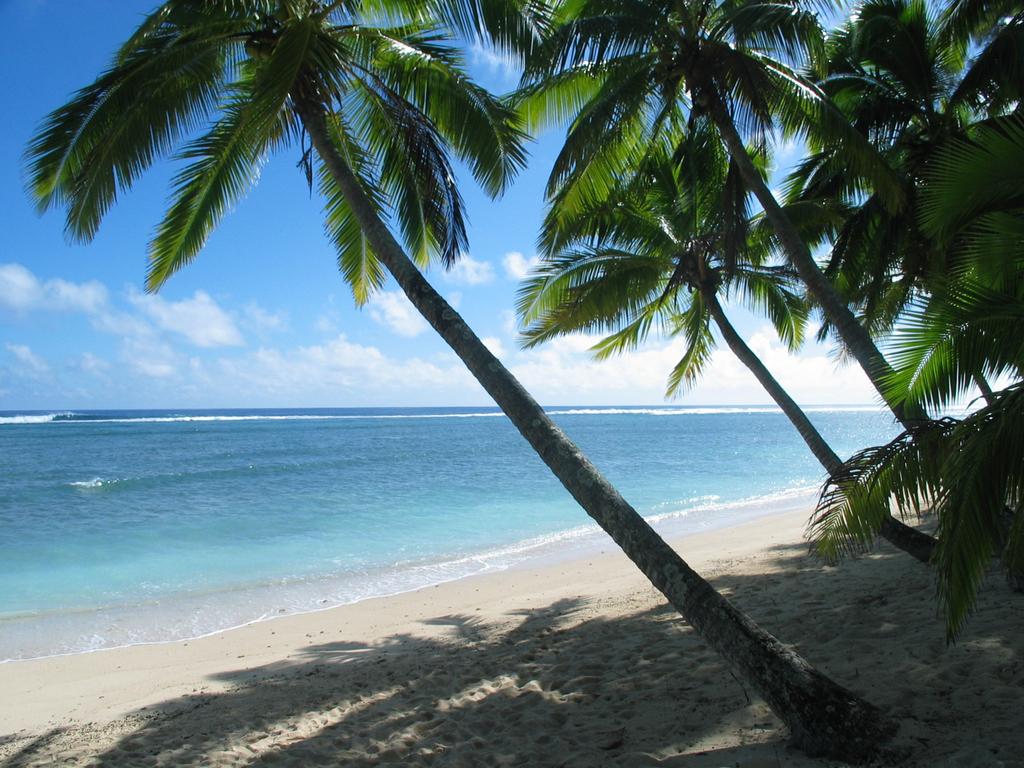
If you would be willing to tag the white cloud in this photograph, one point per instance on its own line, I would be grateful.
(83, 297)
(157, 369)
(89, 363)
(518, 266)
(259, 318)
(153, 359)
(393, 310)
(327, 322)
(494, 62)
(469, 271)
(455, 299)
(811, 377)
(340, 370)
(509, 324)
(124, 325)
(563, 371)
(19, 288)
(199, 319)
(153, 362)
(786, 152)
(22, 291)
(31, 362)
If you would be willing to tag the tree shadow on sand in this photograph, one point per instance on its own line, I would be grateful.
(564, 686)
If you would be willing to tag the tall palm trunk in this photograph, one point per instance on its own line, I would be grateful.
(823, 717)
(910, 540)
(854, 335)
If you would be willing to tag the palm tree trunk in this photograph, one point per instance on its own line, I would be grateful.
(910, 540)
(823, 717)
(822, 451)
(853, 334)
(984, 388)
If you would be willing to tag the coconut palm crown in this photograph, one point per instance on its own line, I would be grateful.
(659, 253)
(220, 80)
(649, 256)
(910, 86)
(621, 72)
(967, 470)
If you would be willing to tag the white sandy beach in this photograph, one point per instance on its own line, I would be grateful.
(573, 664)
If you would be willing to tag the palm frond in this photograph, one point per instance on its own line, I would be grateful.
(969, 472)
(694, 325)
(95, 146)
(356, 260)
(989, 162)
(966, 329)
(226, 160)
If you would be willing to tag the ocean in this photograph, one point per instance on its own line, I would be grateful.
(123, 527)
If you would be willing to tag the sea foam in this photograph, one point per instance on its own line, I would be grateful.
(80, 418)
(96, 482)
(37, 418)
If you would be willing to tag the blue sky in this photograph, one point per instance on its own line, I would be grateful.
(262, 318)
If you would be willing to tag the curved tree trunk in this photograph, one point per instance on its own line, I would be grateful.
(823, 717)
(853, 334)
(910, 540)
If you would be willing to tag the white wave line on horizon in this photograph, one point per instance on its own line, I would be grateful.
(69, 417)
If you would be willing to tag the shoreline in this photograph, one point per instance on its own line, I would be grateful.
(546, 549)
(79, 665)
(578, 662)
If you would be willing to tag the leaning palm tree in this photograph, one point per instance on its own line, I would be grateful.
(968, 470)
(624, 71)
(379, 91)
(907, 80)
(660, 252)
(657, 253)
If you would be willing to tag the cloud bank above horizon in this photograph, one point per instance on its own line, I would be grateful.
(205, 350)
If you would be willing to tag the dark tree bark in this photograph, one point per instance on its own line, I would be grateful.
(910, 540)
(823, 717)
(853, 334)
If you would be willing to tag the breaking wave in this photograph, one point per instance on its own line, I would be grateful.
(99, 418)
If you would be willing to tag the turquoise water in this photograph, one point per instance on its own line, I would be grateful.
(141, 526)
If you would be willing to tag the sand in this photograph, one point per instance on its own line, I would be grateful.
(578, 663)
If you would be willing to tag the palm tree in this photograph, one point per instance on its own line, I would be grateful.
(624, 71)
(971, 205)
(903, 81)
(995, 29)
(381, 95)
(656, 253)
(927, 90)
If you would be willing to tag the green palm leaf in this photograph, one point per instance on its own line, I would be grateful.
(105, 137)
(226, 161)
